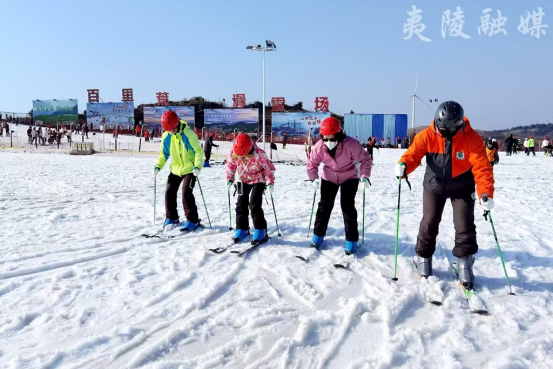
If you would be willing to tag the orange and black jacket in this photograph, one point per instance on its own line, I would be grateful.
(452, 166)
(491, 152)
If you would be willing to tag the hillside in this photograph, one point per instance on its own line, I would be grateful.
(537, 130)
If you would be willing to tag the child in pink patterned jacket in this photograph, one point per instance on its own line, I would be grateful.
(255, 173)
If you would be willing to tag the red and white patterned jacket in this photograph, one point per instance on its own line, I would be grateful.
(256, 168)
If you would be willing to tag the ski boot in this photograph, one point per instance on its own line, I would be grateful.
(317, 241)
(424, 266)
(190, 227)
(171, 223)
(351, 247)
(464, 272)
(240, 234)
(259, 237)
(206, 164)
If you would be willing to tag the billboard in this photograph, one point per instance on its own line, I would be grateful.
(152, 115)
(227, 120)
(298, 125)
(55, 111)
(111, 114)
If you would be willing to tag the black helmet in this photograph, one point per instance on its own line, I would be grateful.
(449, 115)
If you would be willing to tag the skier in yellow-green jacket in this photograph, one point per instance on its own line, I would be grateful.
(182, 144)
(531, 144)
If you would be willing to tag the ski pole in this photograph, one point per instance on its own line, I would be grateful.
(205, 206)
(229, 211)
(397, 230)
(312, 207)
(274, 211)
(486, 214)
(363, 232)
(155, 193)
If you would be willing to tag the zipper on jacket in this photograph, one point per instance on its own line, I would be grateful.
(448, 165)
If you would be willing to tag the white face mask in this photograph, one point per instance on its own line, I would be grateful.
(331, 144)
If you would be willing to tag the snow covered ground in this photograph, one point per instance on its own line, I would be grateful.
(80, 288)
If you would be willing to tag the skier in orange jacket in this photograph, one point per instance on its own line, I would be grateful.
(456, 161)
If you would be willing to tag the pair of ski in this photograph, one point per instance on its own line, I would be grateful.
(240, 251)
(161, 234)
(342, 263)
(433, 293)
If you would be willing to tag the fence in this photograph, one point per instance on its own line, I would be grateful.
(80, 148)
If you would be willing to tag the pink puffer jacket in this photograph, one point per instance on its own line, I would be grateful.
(251, 169)
(341, 168)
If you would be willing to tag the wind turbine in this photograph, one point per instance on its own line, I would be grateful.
(413, 97)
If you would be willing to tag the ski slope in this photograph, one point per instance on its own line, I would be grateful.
(80, 288)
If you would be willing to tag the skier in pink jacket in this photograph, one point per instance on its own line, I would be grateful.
(255, 173)
(338, 153)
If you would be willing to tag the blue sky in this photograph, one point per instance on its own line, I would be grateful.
(352, 51)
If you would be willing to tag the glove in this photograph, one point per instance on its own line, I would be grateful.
(156, 170)
(315, 184)
(229, 183)
(196, 172)
(366, 182)
(270, 188)
(487, 203)
(399, 170)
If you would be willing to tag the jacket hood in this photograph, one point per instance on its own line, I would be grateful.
(182, 126)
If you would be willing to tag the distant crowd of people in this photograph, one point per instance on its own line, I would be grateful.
(513, 145)
(16, 120)
(138, 130)
(5, 129)
(386, 143)
(54, 133)
(44, 135)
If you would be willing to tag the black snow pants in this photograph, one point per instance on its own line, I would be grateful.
(250, 200)
(329, 191)
(207, 155)
(463, 220)
(530, 150)
(370, 150)
(188, 199)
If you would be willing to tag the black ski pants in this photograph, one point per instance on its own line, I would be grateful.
(207, 155)
(188, 199)
(531, 150)
(463, 220)
(370, 150)
(250, 200)
(329, 191)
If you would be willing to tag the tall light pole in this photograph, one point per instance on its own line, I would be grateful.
(270, 46)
